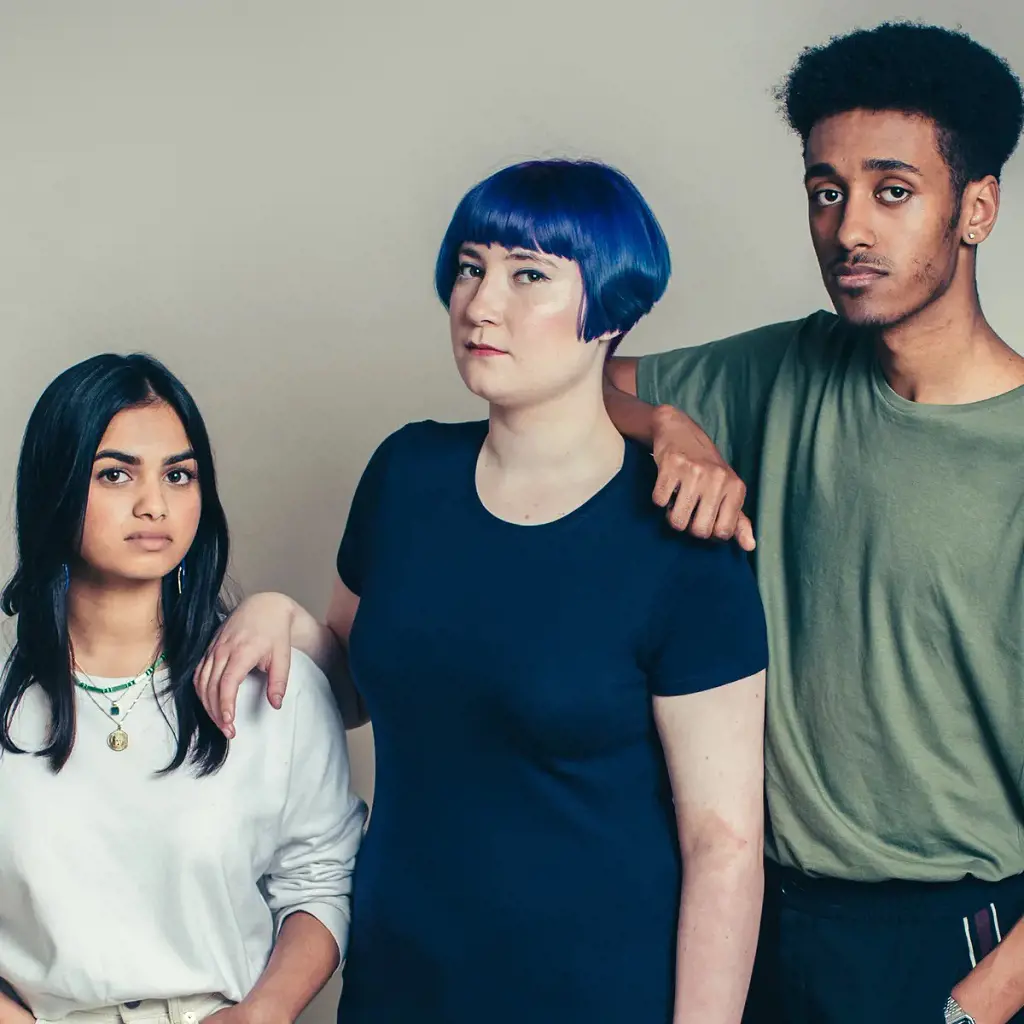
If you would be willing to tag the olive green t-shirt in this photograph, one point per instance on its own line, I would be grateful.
(891, 564)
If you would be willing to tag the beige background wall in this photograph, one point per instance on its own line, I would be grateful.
(254, 192)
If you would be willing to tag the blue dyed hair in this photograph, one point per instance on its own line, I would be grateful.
(580, 210)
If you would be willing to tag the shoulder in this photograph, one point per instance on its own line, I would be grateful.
(308, 703)
(676, 552)
(712, 378)
(430, 435)
(769, 341)
(425, 440)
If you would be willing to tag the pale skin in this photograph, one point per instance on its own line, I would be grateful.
(142, 513)
(550, 447)
(896, 256)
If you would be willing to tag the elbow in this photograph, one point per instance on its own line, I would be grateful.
(727, 852)
(729, 876)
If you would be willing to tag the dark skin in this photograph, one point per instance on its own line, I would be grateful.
(896, 255)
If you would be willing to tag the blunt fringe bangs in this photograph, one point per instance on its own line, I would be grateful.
(54, 473)
(580, 210)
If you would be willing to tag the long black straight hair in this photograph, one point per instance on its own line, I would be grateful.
(54, 473)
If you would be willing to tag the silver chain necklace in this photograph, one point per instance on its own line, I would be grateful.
(118, 739)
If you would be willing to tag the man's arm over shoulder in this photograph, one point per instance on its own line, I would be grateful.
(723, 385)
(700, 410)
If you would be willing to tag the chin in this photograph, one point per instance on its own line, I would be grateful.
(484, 385)
(862, 312)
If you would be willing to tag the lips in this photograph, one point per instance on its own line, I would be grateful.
(150, 541)
(478, 349)
(856, 275)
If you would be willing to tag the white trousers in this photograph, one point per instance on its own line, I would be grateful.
(187, 1010)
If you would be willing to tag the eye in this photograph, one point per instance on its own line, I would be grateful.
(827, 197)
(180, 477)
(468, 270)
(112, 476)
(896, 194)
(530, 276)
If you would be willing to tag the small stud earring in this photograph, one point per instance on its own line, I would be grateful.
(970, 234)
(181, 577)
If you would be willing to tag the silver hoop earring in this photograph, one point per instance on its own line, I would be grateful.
(181, 578)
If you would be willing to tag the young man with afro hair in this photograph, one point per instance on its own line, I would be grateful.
(883, 448)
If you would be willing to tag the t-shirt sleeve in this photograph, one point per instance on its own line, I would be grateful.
(365, 512)
(711, 630)
(723, 385)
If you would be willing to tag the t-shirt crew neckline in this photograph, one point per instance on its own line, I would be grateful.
(580, 512)
(923, 410)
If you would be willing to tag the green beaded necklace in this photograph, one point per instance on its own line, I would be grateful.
(118, 739)
(103, 690)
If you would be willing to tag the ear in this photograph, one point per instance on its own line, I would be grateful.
(980, 208)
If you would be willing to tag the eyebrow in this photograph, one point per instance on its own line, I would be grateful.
(522, 255)
(134, 460)
(824, 170)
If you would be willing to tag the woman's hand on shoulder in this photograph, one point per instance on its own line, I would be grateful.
(257, 635)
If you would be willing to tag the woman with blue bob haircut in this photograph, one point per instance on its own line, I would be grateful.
(567, 697)
(582, 211)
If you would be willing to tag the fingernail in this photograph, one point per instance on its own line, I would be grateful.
(276, 701)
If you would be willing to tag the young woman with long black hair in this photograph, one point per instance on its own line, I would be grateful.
(150, 870)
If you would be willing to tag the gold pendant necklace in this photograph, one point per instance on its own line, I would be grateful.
(118, 739)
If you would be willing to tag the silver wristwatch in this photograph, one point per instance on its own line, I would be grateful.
(956, 1014)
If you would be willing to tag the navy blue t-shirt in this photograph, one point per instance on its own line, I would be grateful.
(522, 862)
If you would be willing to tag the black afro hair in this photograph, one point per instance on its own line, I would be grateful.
(972, 95)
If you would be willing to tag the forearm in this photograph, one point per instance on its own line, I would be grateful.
(994, 991)
(13, 1013)
(304, 958)
(318, 642)
(636, 419)
(720, 914)
(632, 417)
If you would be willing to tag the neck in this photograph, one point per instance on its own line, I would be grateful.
(570, 433)
(114, 628)
(948, 354)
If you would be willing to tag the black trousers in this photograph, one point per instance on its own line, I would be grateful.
(834, 952)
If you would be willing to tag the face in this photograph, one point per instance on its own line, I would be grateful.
(881, 205)
(515, 319)
(144, 500)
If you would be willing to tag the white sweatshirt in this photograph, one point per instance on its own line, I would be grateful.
(117, 884)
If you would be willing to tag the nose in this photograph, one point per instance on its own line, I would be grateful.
(856, 227)
(151, 503)
(487, 306)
